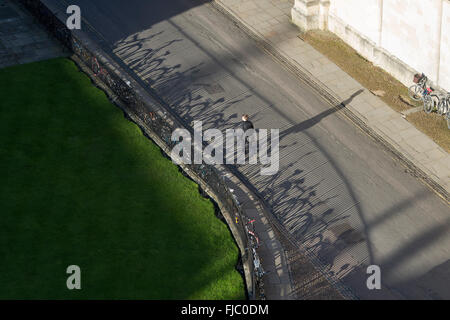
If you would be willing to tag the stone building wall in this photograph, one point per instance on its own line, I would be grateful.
(401, 36)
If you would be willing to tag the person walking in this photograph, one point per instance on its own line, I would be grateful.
(247, 125)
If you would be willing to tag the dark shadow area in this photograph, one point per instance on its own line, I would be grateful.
(117, 19)
(397, 209)
(415, 246)
(434, 284)
(427, 286)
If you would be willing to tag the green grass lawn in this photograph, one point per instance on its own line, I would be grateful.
(81, 185)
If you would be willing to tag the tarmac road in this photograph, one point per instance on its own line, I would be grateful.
(337, 192)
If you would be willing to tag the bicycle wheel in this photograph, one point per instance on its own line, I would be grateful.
(442, 107)
(448, 120)
(415, 92)
(435, 101)
(427, 104)
(447, 105)
(95, 66)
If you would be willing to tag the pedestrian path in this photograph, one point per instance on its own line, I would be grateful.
(271, 20)
(22, 38)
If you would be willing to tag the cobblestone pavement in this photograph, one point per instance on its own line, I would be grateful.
(22, 39)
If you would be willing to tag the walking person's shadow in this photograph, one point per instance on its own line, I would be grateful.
(317, 118)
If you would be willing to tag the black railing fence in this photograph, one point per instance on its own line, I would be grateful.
(162, 125)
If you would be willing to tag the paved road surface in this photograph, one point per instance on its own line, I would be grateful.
(337, 192)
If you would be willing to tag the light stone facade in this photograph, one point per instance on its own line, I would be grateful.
(401, 36)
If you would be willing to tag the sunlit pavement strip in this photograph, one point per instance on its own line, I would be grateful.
(22, 39)
(271, 19)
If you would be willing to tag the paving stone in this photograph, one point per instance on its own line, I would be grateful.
(328, 76)
(272, 21)
(273, 278)
(280, 290)
(286, 46)
(388, 131)
(440, 168)
(268, 236)
(380, 115)
(272, 244)
(398, 123)
(425, 143)
(263, 24)
(436, 154)
(409, 134)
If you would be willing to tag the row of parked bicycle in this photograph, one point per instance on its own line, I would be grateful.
(432, 100)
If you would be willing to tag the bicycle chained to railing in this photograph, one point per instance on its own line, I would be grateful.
(432, 101)
(254, 244)
(120, 87)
